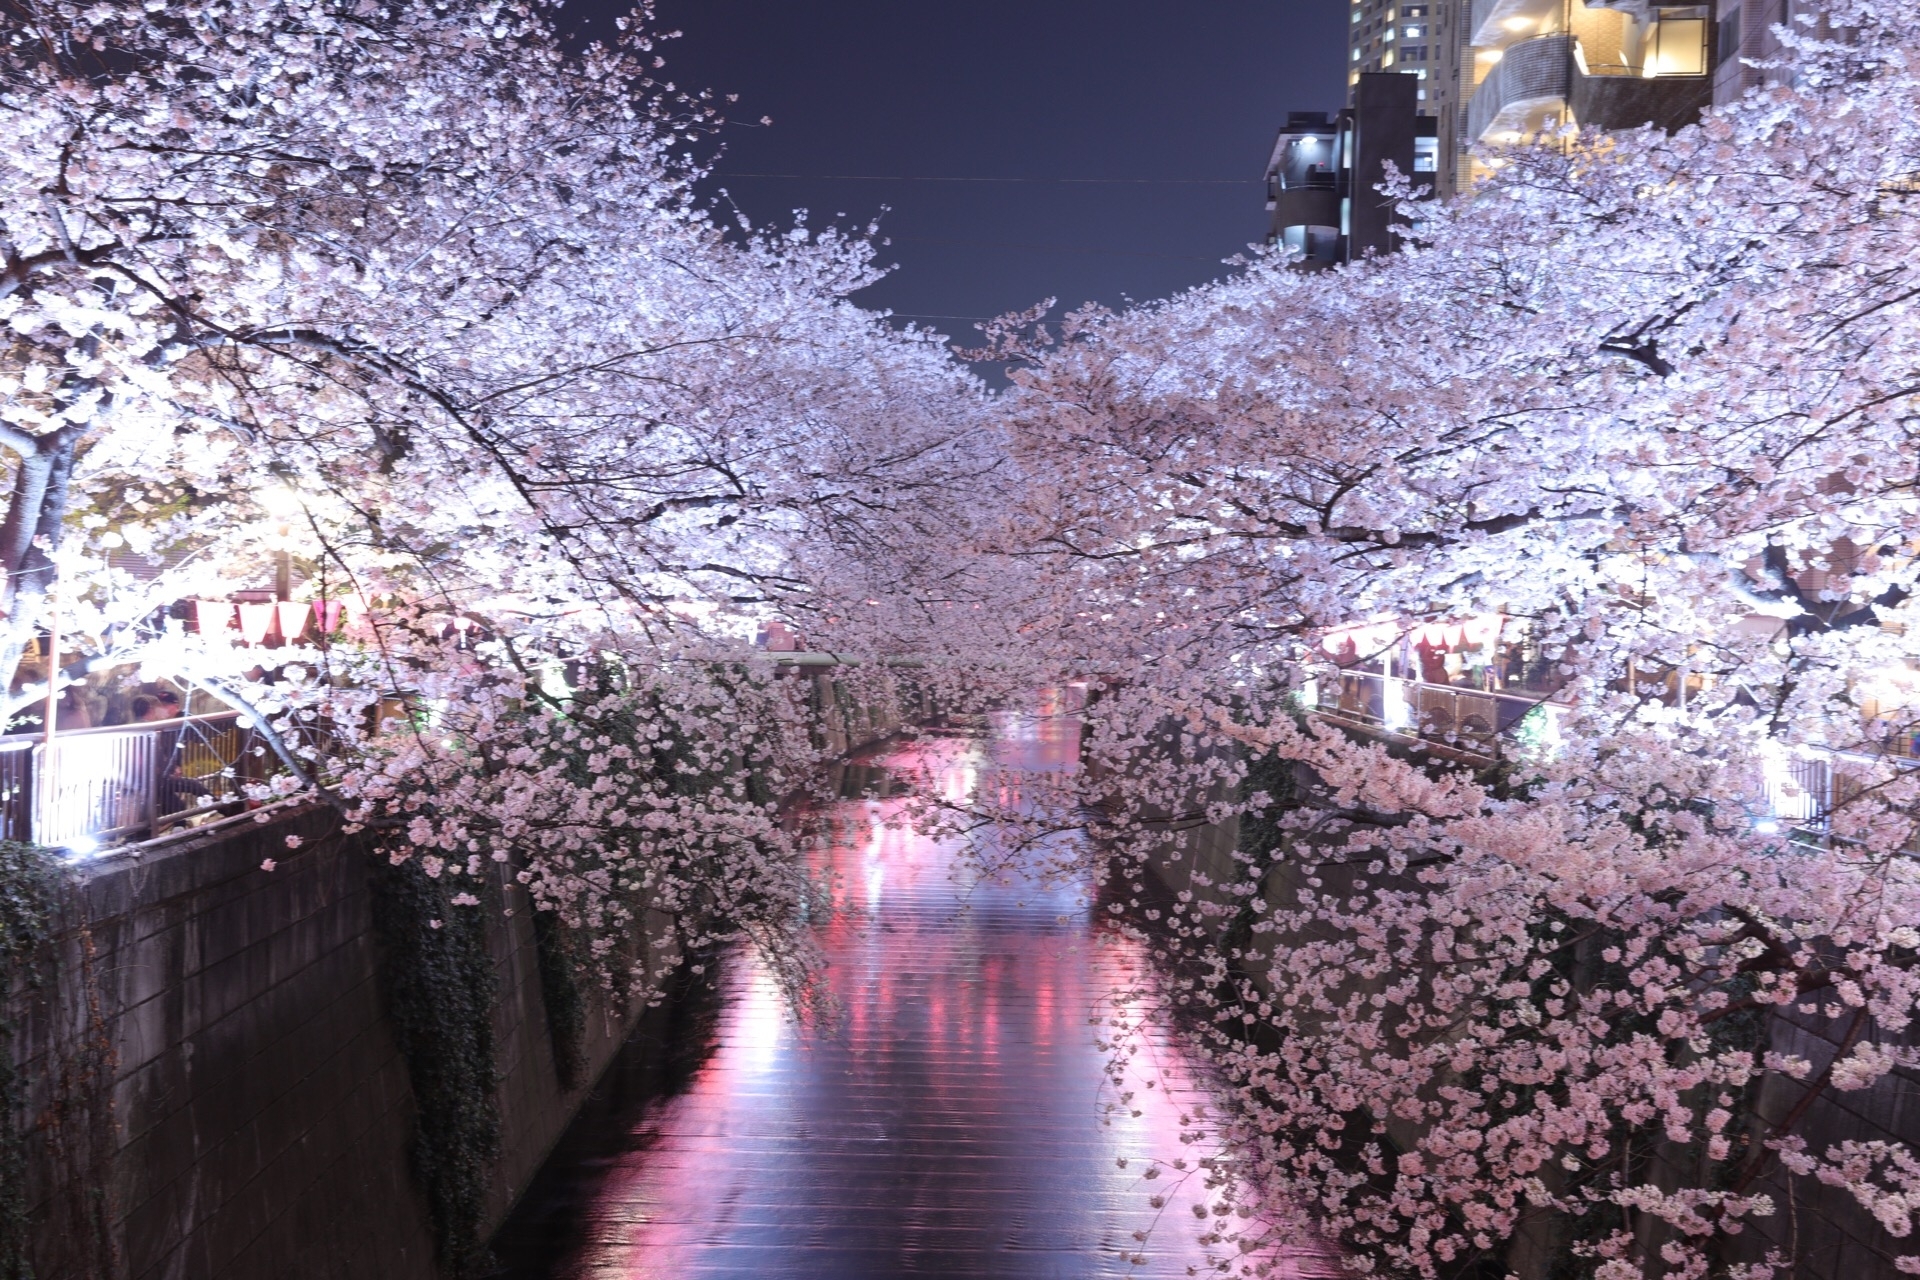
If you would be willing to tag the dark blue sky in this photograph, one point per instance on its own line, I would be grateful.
(1030, 89)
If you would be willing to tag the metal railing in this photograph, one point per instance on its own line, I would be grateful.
(129, 781)
(1474, 720)
(1800, 792)
(1801, 789)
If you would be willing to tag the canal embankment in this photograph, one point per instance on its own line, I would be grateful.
(242, 1055)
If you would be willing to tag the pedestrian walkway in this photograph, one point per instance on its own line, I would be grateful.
(953, 1118)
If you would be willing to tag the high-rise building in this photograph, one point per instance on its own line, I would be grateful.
(1494, 71)
(1538, 65)
(1421, 39)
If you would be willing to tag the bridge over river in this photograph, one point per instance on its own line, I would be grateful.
(954, 1118)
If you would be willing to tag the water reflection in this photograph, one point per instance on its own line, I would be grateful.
(953, 1119)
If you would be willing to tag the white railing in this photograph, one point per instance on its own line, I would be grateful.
(92, 786)
(1799, 786)
(1472, 720)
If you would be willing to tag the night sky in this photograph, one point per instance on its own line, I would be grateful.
(1038, 90)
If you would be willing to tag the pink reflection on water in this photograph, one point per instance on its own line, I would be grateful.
(953, 1120)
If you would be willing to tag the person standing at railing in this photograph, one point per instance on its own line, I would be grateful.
(150, 707)
(175, 791)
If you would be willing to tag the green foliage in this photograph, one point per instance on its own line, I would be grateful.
(29, 886)
(560, 993)
(440, 990)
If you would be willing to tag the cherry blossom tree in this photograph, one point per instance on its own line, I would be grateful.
(1652, 396)
(421, 301)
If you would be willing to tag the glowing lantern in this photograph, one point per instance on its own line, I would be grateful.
(255, 621)
(292, 617)
(211, 617)
(1482, 630)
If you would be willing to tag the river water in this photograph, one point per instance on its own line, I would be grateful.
(952, 1116)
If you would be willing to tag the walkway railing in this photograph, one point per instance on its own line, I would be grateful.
(1800, 788)
(1472, 720)
(92, 786)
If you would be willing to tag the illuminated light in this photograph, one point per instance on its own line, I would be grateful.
(81, 849)
(255, 621)
(281, 501)
(1767, 828)
(292, 617)
(1517, 24)
(1491, 56)
(1394, 709)
(211, 617)
(759, 1026)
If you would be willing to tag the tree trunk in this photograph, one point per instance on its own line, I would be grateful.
(36, 517)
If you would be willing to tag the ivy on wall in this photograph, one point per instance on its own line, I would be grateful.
(560, 993)
(440, 990)
(28, 893)
(75, 1119)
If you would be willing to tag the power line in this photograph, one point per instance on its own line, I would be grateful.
(907, 177)
(1049, 248)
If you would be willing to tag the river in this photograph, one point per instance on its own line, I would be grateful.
(951, 1116)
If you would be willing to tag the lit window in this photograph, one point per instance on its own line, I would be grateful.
(1389, 36)
(1414, 33)
(1356, 55)
(1679, 43)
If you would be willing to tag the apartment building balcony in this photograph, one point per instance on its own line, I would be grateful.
(1619, 101)
(1307, 218)
(1526, 91)
(1549, 79)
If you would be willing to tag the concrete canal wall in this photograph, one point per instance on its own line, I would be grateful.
(213, 1080)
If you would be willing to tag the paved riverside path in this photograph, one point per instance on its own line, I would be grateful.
(948, 1122)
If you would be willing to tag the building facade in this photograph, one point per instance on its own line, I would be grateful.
(1323, 174)
(1425, 41)
(1497, 71)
